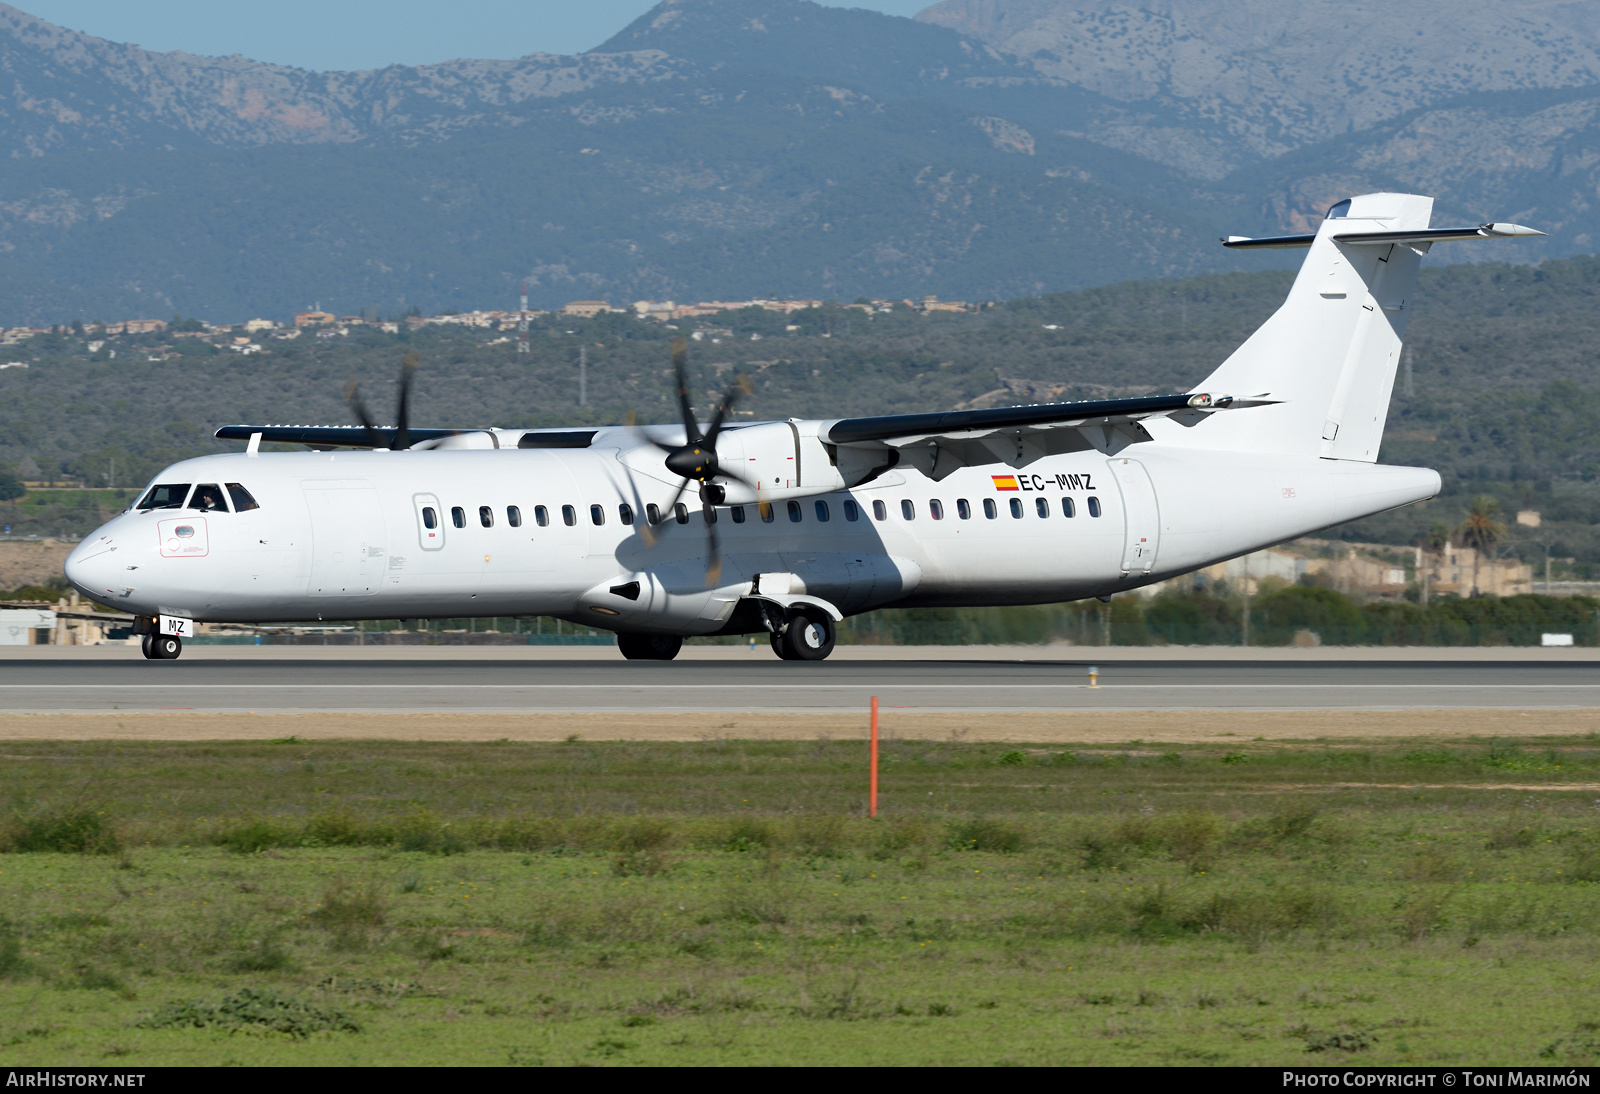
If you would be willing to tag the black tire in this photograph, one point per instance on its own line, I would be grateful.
(167, 647)
(809, 637)
(649, 647)
(779, 647)
(147, 647)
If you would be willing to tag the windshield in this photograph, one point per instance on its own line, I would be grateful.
(208, 496)
(168, 495)
(242, 501)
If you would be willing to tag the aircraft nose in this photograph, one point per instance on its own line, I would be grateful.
(93, 569)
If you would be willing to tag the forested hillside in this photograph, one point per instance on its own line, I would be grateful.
(1501, 398)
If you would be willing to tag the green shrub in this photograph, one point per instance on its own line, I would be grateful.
(747, 834)
(1191, 836)
(336, 827)
(985, 834)
(1015, 758)
(257, 835)
(74, 831)
(255, 1010)
(345, 910)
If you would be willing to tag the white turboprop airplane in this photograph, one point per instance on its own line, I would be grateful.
(800, 523)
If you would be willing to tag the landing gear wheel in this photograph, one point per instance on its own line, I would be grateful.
(649, 647)
(809, 637)
(147, 647)
(164, 647)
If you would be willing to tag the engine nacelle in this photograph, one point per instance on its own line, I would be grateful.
(783, 459)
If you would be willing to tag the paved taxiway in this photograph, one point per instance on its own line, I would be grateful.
(330, 681)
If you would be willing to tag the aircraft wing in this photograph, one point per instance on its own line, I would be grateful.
(939, 443)
(331, 436)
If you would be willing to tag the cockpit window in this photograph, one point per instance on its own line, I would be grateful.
(1339, 210)
(242, 501)
(208, 496)
(165, 496)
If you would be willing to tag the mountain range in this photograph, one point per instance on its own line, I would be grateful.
(722, 148)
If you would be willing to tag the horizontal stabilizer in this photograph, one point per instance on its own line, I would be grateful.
(1426, 236)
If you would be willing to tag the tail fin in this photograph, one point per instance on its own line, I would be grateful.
(1329, 353)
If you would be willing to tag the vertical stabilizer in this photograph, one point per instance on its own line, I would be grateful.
(1329, 354)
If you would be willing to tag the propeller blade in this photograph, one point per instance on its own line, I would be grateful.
(402, 434)
(352, 396)
(713, 546)
(740, 386)
(670, 512)
(631, 420)
(680, 371)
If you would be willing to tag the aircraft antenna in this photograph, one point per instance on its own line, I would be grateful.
(522, 321)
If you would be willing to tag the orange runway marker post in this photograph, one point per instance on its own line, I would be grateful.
(872, 777)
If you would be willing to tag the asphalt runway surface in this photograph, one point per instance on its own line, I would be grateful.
(587, 685)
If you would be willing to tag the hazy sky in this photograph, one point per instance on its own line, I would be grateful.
(355, 34)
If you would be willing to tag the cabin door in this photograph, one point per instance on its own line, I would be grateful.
(1141, 516)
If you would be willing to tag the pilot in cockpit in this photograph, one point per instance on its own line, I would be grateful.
(208, 496)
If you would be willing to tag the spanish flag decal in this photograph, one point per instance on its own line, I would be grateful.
(1005, 482)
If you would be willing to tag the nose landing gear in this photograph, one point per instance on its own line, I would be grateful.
(161, 647)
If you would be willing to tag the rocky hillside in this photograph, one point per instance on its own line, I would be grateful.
(712, 148)
(1280, 76)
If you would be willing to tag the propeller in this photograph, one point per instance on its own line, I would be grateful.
(402, 432)
(696, 459)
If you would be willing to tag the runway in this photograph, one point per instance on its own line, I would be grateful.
(332, 683)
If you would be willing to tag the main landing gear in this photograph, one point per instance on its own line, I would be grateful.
(808, 637)
(649, 647)
(161, 647)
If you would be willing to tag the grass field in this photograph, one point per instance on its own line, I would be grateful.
(726, 902)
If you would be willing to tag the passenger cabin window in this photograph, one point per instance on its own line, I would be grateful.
(908, 509)
(458, 516)
(852, 511)
(242, 501)
(936, 509)
(737, 513)
(1041, 506)
(166, 496)
(541, 516)
(794, 512)
(768, 514)
(963, 509)
(1016, 508)
(1094, 507)
(880, 511)
(430, 519)
(680, 513)
(652, 513)
(597, 514)
(569, 516)
(625, 513)
(1068, 508)
(208, 497)
(513, 516)
(486, 516)
(989, 509)
(822, 511)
